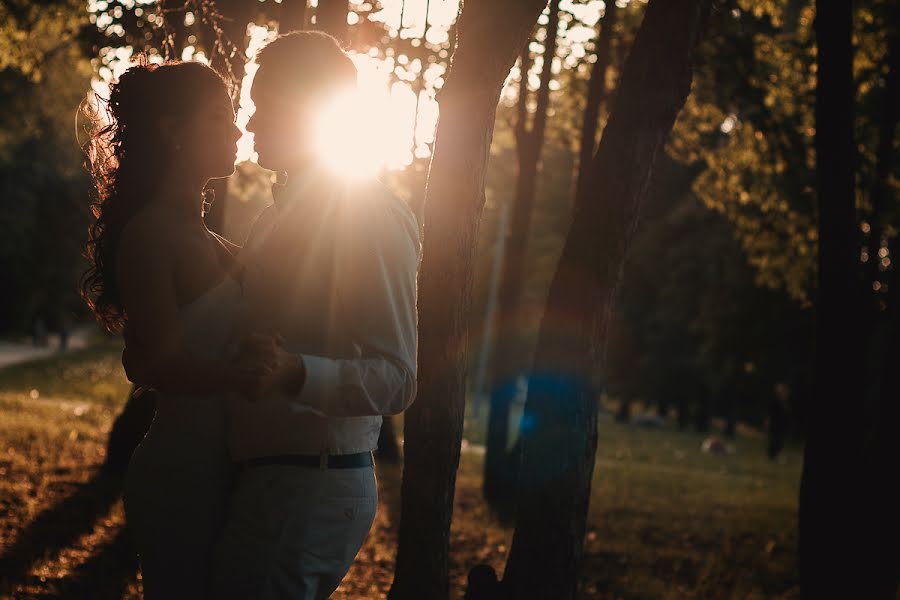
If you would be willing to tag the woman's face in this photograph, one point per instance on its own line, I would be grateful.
(209, 138)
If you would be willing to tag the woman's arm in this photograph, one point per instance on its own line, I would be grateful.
(155, 354)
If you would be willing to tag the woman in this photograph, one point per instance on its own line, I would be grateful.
(160, 275)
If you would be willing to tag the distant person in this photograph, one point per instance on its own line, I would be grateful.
(65, 330)
(778, 417)
(39, 332)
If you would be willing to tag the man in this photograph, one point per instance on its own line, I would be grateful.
(330, 267)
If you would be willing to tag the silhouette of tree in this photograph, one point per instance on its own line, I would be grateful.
(559, 428)
(490, 34)
(499, 478)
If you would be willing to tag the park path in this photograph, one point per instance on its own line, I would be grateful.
(13, 352)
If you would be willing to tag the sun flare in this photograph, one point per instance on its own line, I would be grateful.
(350, 131)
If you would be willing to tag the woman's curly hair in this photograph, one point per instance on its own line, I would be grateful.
(125, 154)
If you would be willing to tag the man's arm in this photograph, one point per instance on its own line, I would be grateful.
(377, 296)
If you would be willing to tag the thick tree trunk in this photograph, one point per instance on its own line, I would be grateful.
(882, 496)
(489, 36)
(499, 478)
(884, 156)
(597, 92)
(884, 445)
(559, 429)
(293, 16)
(331, 17)
(388, 448)
(830, 549)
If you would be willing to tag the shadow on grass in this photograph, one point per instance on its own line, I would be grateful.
(59, 527)
(108, 572)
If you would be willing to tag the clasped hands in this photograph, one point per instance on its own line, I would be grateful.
(264, 367)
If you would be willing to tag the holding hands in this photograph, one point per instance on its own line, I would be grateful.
(263, 367)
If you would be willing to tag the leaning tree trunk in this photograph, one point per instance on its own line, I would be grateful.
(559, 429)
(830, 551)
(499, 476)
(884, 447)
(489, 37)
(597, 93)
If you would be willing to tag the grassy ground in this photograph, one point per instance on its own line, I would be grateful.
(666, 520)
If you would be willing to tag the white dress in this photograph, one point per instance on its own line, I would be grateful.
(179, 477)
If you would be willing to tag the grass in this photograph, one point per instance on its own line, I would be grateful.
(666, 521)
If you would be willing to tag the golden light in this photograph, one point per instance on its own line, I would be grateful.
(350, 133)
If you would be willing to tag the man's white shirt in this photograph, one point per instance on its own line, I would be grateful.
(331, 267)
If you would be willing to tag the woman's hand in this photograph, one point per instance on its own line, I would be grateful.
(253, 364)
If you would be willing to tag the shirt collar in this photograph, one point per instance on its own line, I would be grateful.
(297, 186)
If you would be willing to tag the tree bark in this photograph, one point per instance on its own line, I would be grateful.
(331, 17)
(499, 478)
(597, 93)
(884, 444)
(828, 546)
(559, 429)
(388, 448)
(293, 16)
(489, 36)
(880, 190)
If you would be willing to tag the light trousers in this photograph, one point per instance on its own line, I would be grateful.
(292, 532)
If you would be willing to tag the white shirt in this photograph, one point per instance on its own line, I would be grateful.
(331, 267)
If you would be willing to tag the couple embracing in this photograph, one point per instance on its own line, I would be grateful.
(274, 362)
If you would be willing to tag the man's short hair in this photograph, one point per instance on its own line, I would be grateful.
(312, 62)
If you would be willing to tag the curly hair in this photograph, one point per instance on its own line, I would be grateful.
(125, 154)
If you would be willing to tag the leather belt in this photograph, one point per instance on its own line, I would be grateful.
(322, 461)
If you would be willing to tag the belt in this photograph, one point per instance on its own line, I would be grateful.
(322, 461)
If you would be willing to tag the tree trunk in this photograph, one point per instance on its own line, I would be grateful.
(883, 498)
(883, 160)
(702, 414)
(489, 36)
(388, 448)
(884, 447)
(596, 94)
(499, 479)
(559, 429)
(331, 17)
(293, 16)
(829, 547)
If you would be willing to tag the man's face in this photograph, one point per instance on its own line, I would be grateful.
(282, 123)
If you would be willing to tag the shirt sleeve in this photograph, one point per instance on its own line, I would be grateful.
(379, 252)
